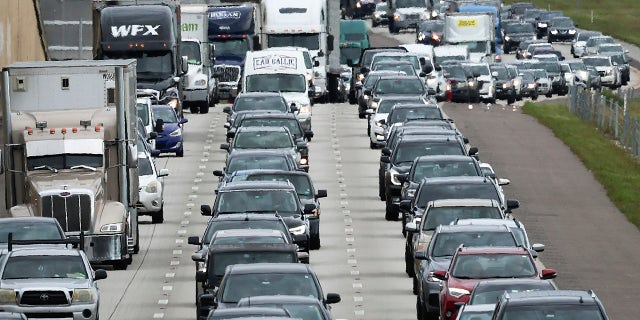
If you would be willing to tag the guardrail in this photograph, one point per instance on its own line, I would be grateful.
(609, 114)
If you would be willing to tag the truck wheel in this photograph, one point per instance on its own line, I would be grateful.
(136, 247)
(204, 108)
(120, 264)
(158, 217)
(193, 108)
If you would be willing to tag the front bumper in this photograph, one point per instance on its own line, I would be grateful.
(377, 137)
(106, 248)
(505, 93)
(227, 90)
(195, 94)
(148, 202)
(73, 311)
(305, 120)
(562, 36)
(406, 23)
(169, 144)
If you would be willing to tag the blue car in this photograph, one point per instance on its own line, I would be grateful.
(169, 130)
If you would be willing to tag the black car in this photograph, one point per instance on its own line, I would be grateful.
(379, 16)
(546, 51)
(288, 120)
(461, 86)
(363, 8)
(257, 102)
(235, 313)
(505, 86)
(399, 162)
(367, 83)
(561, 28)
(220, 256)
(545, 304)
(542, 23)
(521, 50)
(265, 279)
(361, 69)
(514, 33)
(410, 86)
(256, 159)
(489, 291)
(305, 189)
(307, 308)
(265, 197)
(430, 32)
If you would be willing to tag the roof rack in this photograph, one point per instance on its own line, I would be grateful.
(75, 242)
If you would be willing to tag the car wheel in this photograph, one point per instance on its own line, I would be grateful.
(314, 242)
(136, 247)
(408, 263)
(534, 96)
(381, 190)
(415, 285)
(368, 128)
(158, 217)
(549, 94)
(372, 145)
(180, 153)
(390, 214)
(205, 108)
(511, 99)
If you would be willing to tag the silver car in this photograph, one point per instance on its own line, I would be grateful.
(52, 280)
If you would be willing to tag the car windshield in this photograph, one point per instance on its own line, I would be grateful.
(44, 266)
(413, 60)
(411, 4)
(166, 114)
(64, 161)
(273, 103)
(400, 86)
(262, 140)
(618, 58)
(242, 224)
(257, 201)
(476, 46)
(143, 112)
(434, 169)
(247, 239)
(276, 82)
(406, 114)
(250, 163)
(385, 105)
(446, 243)
(238, 286)
(29, 231)
(491, 293)
(310, 41)
(519, 28)
(408, 69)
(596, 61)
(562, 23)
(191, 50)
(432, 27)
(476, 315)
(610, 49)
(300, 182)
(551, 67)
(231, 47)
(291, 124)
(480, 70)
(381, 7)
(144, 166)
(406, 152)
(454, 72)
(496, 265)
(221, 260)
(539, 74)
(502, 73)
(445, 215)
(595, 41)
(577, 65)
(441, 58)
(553, 311)
(457, 191)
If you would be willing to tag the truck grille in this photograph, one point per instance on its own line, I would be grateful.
(413, 16)
(73, 212)
(39, 298)
(227, 73)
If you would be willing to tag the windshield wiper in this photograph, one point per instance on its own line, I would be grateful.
(50, 168)
(83, 166)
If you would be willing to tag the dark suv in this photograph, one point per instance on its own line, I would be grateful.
(550, 304)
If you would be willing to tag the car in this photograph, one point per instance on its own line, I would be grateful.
(169, 130)
(582, 75)
(361, 68)
(486, 82)
(257, 102)
(400, 160)
(379, 16)
(624, 69)
(42, 281)
(521, 50)
(145, 114)
(240, 312)
(256, 159)
(30, 228)
(541, 78)
(542, 23)
(399, 66)
(516, 78)
(593, 42)
(417, 127)
(305, 190)
(555, 75)
(528, 51)
(561, 28)
(545, 304)
(430, 32)
(411, 86)
(547, 54)
(515, 225)
(307, 308)
(363, 8)
(518, 9)
(406, 14)
(505, 88)
(374, 126)
(262, 279)
(401, 113)
(580, 40)
(265, 197)
(368, 82)
(459, 84)
(438, 255)
(607, 69)
(220, 256)
(274, 138)
(489, 291)
(151, 188)
(470, 265)
(607, 48)
(530, 86)
(514, 33)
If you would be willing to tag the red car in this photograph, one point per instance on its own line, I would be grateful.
(470, 265)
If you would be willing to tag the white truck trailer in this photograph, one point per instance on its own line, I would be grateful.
(475, 30)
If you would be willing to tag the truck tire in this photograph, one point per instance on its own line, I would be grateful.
(193, 108)
(204, 108)
(136, 247)
(158, 217)
(120, 264)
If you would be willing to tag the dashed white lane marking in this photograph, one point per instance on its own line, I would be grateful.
(202, 167)
(350, 239)
(175, 262)
(355, 272)
(193, 196)
(177, 252)
(179, 241)
(170, 275)
(187, 213)
(163, 301)
(359, 312)
(352, 261)
(184, 222)
(343, 195)
(351, 250)
(356, 285)
(167, 288)
(158, 315)
(348, 220)
(358, 299)
(199, 174)
(344, 203)
(191, 204)
(182, 231)
(348, 230)
(195, 188)
(346, 212)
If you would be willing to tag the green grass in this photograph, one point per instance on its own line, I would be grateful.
(618, 18)
(613, 167)
(633, 106)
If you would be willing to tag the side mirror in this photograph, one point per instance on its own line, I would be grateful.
(132, 156)
(224, 146)
(321, 193)
(537, 247)
(226, 110)
(386, 151)
(420, 255)
(184, 65)
(385, 159)
(227, 125)
(473, 151)
(184, 120)
(163, 173)
(405, 205)
(465, 140)
(428, 68)
(308, 134)
(231, 134)
(367, 92)
(302, 146)
(512, 204)
(364, 70)
(212, 53)
(218, 173)
(159, 125)
(152, 135)
(308, 208)
(423, 61)
(194, 240)
(99, 274)
(503, 182)
(411, 227)
(293, 108)
(440, 275)
(303, 257)
(201, 276)
(205, 210)
(332, 298)
(207, 300)
(316, 63)
(176, 80)
(548, 274)
(197, 257)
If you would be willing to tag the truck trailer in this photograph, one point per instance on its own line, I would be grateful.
(70, 150)
(475, 30)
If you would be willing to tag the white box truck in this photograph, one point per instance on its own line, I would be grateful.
(475, 30)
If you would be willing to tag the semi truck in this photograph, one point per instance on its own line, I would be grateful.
(308, 24)
(199, 86)
(70, 150)
(148, 31)
(475, 30)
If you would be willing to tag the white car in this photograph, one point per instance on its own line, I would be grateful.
(580, 40)
(151, 188)
(487, 83)
(607, 69)
(145, 113)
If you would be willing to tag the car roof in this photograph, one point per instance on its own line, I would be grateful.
(230, 233)
(240, 311)
(395, 53)
(492, 250)
(289, 299)
(550, 296)
(471, 228)
(244, 217)
(458, 180)
(256, 185)
(400, 98)
(259, 172)
(469, 202)
(269, 268)
(511, 281)
(414, 105)
(490, 222)
(427, 138)
(443, 158)
(254, 247)
(28, 219)
(270, 115)
(262, 129)
(259, 94)
(401, 77)
(43, 251)
(258, 152)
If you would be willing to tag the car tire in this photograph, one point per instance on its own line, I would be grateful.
(158, 217)
(372, 145)
(381, 189)
(205, 108)
(409, 268)
(180, 153)
(549, 94)
(389, 213)
(415, 286)
(511, 99)
(314, 243)
(136, 247)
(534, 96)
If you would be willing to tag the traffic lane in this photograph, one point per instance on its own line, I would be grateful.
(362, 254)
(160, 281)
(589, 242)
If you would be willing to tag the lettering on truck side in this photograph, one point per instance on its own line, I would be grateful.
(186, 27)
(275, 61)
(467, 23)
(134, 30)
(220, 15)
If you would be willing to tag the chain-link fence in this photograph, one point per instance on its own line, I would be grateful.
(609, 113)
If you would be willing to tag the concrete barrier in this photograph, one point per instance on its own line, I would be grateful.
(19, 35)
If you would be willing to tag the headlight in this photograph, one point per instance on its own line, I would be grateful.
(394, 177)
(112, 227)
(609, 72)
(572, 31)
(176, 133)
(421, 36)
(379, 124)
(435, 37)
(358, 5)
(298, 230)
(434, 13)
(531, 86)
(554, 31)
(173, 103)
(360, 77)
(507, 38)
(305, 108)
(457, 292)
(7, 296)
(82, 295)
(397, 16)
(365, 97)
(506, 85)
(304, 161)
(377, 15)
(431, 278)
(542, 25)
(201, 82)
(152, 187)
(374, 104)
(534, 38)
(471, 83)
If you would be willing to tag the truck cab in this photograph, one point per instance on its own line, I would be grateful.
(353, 39)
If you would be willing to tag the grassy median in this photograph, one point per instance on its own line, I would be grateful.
(613, 167)
(618, 18)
